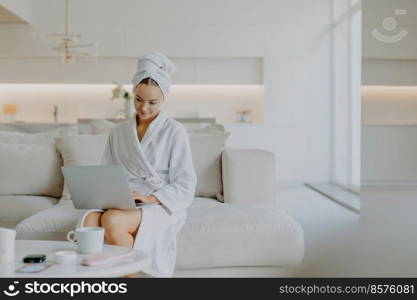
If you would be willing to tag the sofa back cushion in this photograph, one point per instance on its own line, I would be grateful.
(206, 149)
(30, 169)
(81, 150)
(18, 137)
(30, 164)
(101, 126)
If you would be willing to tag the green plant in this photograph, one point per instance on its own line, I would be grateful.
(119, 92)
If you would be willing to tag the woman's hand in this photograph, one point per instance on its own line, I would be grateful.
(138, 197)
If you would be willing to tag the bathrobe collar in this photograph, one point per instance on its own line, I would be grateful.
(152, 130)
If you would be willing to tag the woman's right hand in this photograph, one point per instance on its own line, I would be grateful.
(138, 197)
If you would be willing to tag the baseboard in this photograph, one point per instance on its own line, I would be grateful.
(388, 182)
(351, 188)
(283, 183)
(340, 195)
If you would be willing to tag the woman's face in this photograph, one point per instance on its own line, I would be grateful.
(148, 100)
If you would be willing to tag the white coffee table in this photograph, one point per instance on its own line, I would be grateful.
(117, 269)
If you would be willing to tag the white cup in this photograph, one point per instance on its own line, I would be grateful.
(7, 245)
(88, 239)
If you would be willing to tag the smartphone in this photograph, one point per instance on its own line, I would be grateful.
(34, 258)
(33, 268)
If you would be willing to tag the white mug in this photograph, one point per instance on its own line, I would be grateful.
(7, 247)
(88, 239)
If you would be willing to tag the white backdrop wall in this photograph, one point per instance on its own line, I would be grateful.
(389, 135)
(292, 38)
(374, 13)
(390, 63)
(389, 95)
(35, 102)
(389, 155)
(389, 105)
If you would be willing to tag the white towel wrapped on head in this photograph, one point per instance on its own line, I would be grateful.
(156, 66)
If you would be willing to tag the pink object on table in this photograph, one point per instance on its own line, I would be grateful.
(105, 258)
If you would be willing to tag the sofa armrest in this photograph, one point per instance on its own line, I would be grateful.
(248, 176)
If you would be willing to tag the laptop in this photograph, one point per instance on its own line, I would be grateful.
(100, 187)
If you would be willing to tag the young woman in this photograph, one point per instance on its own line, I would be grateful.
(155, 152)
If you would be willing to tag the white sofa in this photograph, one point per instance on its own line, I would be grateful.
(234, 227)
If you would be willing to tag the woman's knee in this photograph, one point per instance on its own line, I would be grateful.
(116, 222)
(114, 234)
(111, 217)
(113, 227)
(93, 219)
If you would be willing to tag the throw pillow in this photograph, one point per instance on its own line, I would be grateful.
(206, 150)
(101, 126)
(30, 169)
(80, 150)
(36, 138)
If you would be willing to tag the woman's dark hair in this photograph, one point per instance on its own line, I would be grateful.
(149, 80)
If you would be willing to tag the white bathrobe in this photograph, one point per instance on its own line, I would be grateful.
(159, 165)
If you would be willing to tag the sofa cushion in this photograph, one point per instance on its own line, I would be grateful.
(37, 138)
(219, 234)
(30, 163)
(9, 128)
(248, 176)
(16, 208)
(101, 126)
(80, 150)
(30, 169)
(206, 149)
(59, 218)
(214, 235)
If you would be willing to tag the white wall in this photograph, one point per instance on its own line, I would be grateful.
(389, 72)
(389, 105)
(374, 13)
(390, 135)
(389, 63)
(104, 70)
(35, 102)
(389, 95)
(292, 38)
(389, 155)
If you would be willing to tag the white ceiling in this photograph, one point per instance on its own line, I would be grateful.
(8, 17)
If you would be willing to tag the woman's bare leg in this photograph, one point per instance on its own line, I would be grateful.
(93, 219)
(121, 226)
